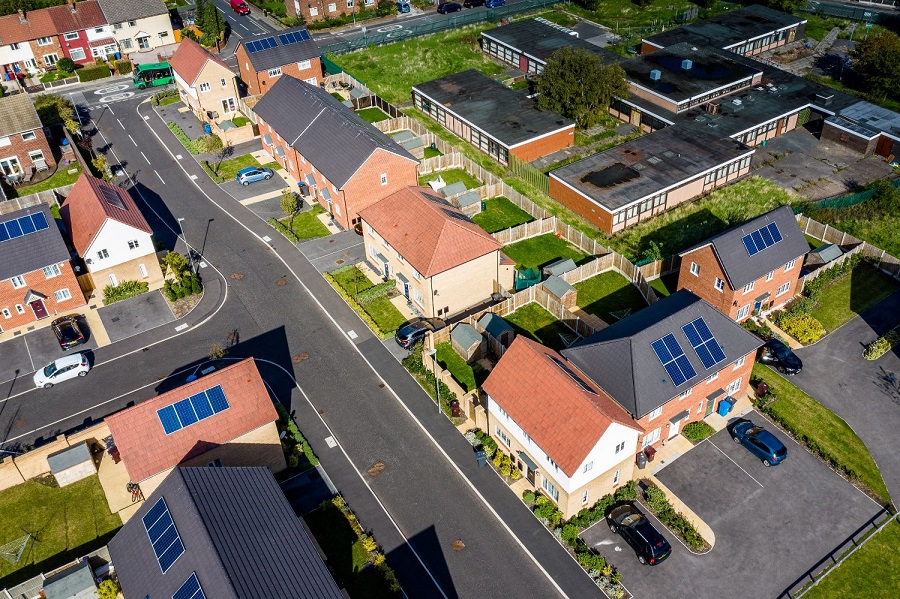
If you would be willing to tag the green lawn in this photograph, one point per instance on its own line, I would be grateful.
(432, 153)
(337, 96)
(240, 121)
(169, 100)
(451, 176)
(870, 572)
(807, 417)
(306, 225)
(665, 286)
(60, 178)
(56, 76)
(373, 114)
(352, 280)
(865, 221)
(539, 251)
(381, 310)
(66, 523)
(536, 323)
(391, 70)
(227, 170)
(500, 213)
(845, 298)
(469, 377)
(609, 296)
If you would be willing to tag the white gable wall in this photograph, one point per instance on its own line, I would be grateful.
(113, 237)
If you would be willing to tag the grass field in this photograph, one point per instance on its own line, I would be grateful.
(307, 225)
(373, 115)
(877, 225)
(607, 294)
(536, 252)
(451, 176)
(536, 323)
(499, 213)
(467, 376)
(228, 169)
(843, 299)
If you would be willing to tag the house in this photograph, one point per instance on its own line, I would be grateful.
(83, 32)
(138, 25)
(668, 364)
(220, 533)
(30, 43)
(36, 277)
(344, 162)
(747, 269)
(204, 82)
(645, 176)
(262, 59)
(24, 148)
(110, 233)
(442, 261)
(746, 31)
(563, 432)
(316, 10)
(225, 418)
(492, 117)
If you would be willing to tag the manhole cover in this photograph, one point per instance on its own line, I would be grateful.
(376, 469)
(237, 276)
(458, 545)
(300, 357)
(381, 385)
(281, 283)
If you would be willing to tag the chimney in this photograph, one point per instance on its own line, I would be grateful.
(71, 4)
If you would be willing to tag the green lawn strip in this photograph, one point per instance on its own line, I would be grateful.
(854, 293)
(500, 213)
(806, 417)
(352, 280)
(888, 103)
(60, 178)
(539, 251)
(432, 153)
(67, 522)
(872, 571)
(662, 290)
(813, 242)
(240, 121)
(880, 229)
(306, 225)
(169, 100)
(373, 115)
(536, 323)
(560, 18)
(227, 170)
(452, 361)
(384, 313)
(450, 176)
(609, 292)
(56, 76)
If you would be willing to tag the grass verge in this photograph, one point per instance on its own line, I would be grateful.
(609, 296)
(857, 291)
(450, 176)
(499, 213)
(469, 377)
(227, 170)
(536, 252)
(306, 225)
(376, 311)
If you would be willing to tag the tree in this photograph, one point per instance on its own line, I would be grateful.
(101, 165)
(65, 64)
(576, 84)
(54, 110)
(290, 206)
(788, 6)
(877, 61)
(200, 15)
(214, 22)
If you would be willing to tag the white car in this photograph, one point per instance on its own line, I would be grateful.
(62, 369)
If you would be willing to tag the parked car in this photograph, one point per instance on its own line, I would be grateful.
(240, 7)
(252, 174)
(759, 441)
(777, 353)
(413, 330)
(403, 7)
(473, 3)
(448, 7)
(68, 332)
(494, 3)
(62, 369)
(633, 526)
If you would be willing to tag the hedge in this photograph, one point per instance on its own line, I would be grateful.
(124, 66)
(659, 504)
(204, 143)
(697, 431)
(802, 327)
(93, 73)
(882, 345)
(123, 290)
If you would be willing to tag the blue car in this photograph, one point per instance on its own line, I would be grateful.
(403, 7)
(759, 441)
(252, 174)
(494, 3)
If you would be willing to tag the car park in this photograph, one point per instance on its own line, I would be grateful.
(448, 7)
(252, 174)
(759, 441)
(632, 525)
(495, 3)
(413, 330)
(778, 354)
(403, 7)
(62, 369)
(68, 332)
(240, 7)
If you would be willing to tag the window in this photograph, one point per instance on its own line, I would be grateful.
(133, 244)
(50, 59)
(132, 23)
(503, 437)
(20, 308)
(313, 12)
(15, 46)
(686, 393)
(51, 271)
(46, 41)
(117, 26)
(739, 362)
(620, 446)
(584, 497)
(204, 87)
(303, 65)
(143, 270)
(551, 489)
(695, 269)
(655, 413)
(126, 44)
(311, 81)
(712, 377)
(216, 463)
(98, 29)
(275, 72)
(789, 265)
(224, 83)
(384, 178)
(102, 254)
(17, 282)
(742, 313)
(6, 313)
(36, 156)
(734, 386)
(749, 287)
(650, 438)
(77, 54)
(370, 229)
(62, 295)
(349, 3)
(417, 297)
(72, 35)
(700, 406)
(616, 477)
(332, 7)
(143, 43)
(373, 252)
(720, 284)
(783, 289)
(417, 275)
(589, 466)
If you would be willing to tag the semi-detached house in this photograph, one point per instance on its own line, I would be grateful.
(204, 82)
(262, 59)
(30, 43)
(24, 149)
(83, 32)
(138, 25)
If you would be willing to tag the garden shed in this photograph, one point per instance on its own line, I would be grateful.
(559, 267)
(74, 582)
(469, 203)
(453, 189)
(564, 292)
(467, 342)
(495, 327)
(72, 464)
(823, 254)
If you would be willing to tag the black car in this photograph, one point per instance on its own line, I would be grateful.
(68, 332)
(777, 353)
(633, 526)
(414, 330)
(448, 7)
(472, 3)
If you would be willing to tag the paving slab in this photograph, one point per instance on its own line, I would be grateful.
(136, 315)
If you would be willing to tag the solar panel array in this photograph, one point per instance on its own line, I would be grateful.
(23, 225)
(762, 238)
(703, 342)
(190, 589)
(293, 37)
(193, 409)
(164, 537)
(112, 197)
(669, 352)
(263, 44)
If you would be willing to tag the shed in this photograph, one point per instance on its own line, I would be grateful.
(75, 582)
(467, 342)
(564, 292)
(72, 464)
(469, 203)
(453, 189)
(494, 326)
(824, 254)
(559, 267)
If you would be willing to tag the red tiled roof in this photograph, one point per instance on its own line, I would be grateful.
(103, 42)
(565, 419)
(189, 59)
(37, 24)
(430, 234)
(147, 450)
(85, 210)
(87, 15)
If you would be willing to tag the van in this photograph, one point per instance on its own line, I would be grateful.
(240, 7)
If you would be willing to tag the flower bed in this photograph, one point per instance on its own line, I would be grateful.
(676, 522)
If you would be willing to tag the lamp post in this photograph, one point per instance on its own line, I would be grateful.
(437, 385)
(189, 253)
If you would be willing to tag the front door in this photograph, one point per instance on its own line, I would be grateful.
(885, 146)
(674, 427)
(530, 476)
(387, 270)
(757, 306)
(635, 118)
(406, 290)
(40, 310)
(710, 404)
(113, 280)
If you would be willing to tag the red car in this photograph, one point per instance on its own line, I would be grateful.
(240, 7)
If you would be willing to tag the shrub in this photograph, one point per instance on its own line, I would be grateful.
(93, 73)
(656, 499)
(123, 290)
(108, 589)
(569, 534)
(65, 64)
(124, 66)
(546, 510)
(189, 145)
(528, 496)
(697, 431)
(882, 345)
(802, 327)
(169, 93)
(209, 143)
(368, 543)
(413, 363)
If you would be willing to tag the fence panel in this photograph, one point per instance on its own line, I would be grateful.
(49, 197)
(530, 175)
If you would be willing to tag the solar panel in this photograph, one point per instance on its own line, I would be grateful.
(163, 535)
(761, 239)
(704, 343)
(190, 589)
(259, 45)
(201, 406)
(112, 197)
(672, 357)
(293, 37)
(217, 399)
(23, 225)
(193, 409)
(169, 419)
(185, 412)
(39, 220)
(14, 228)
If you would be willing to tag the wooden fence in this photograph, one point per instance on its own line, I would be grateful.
(49, 197)
(457, 160)
(884, 261)
(660, 268)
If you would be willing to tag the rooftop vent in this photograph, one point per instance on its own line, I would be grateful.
(824, 99)
(686, 64)
(655, 74)
(712, 108)
(737, 102)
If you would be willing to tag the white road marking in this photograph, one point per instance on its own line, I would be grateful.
(177, 156)
(736, 464)
(110, 110)
(146, 118)
(330, 442)
(181, 327)
(193, 177)
(121, 125)
(160, 178)
(266, 238)
(145, 157)
(244, 26)
(135, 143)
(30, 359)
(352, 334)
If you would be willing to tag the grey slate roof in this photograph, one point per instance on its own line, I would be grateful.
(494, 325)
(17, 114)
(281, 55)
(742, 268)
(119, 11)
(33, 251)
(540, 40)
(68, 457)
(76, 582)
(557, 286)
(466, 335)
(452, 189)
(621, 361)
(560, 267)
(330, 136)
(241, 537)
(467, 199)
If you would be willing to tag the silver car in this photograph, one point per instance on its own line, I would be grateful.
(62, 369)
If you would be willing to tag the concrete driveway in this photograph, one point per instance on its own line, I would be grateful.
(771, 524)
(835, 373)
(135, 315)
(248, 192)
(332, 252)
(26, 353)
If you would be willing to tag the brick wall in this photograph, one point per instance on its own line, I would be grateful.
(130, 271)
(259, 82)
(365, 188)
(847, 139)
(10, 297)
(545, 145)
(573, 200)
(20, 148)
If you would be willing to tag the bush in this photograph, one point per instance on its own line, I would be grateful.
(802, 327)
(659, 504)
(169, 93)
(93, 73)
(123, 290)
(697, 431)
(528, 496)
(189, 145)
(108, 589)
(546, 510)
(65, 64)
(124, 66)
(209, 143)
(882, 345)
(569, 534)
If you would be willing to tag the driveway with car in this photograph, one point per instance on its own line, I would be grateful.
(247, 192)
(771, 524)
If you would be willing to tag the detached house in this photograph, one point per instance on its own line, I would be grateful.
(110, 233)
(83, 32)
(24, 149)
(564, 433)
(442, 261)
(341, 161)
(36, 277)
(204, 82)
(262, 59)
(747, 269)
(138, 25)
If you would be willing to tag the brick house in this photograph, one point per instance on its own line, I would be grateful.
(668, 364)
(341, 161)
(82, 31)
(567, 437)
(492, 117)
(316, 10)
(747, 269)
(225, 418)
(204, 82)
(110, 233)
(138, 25)
(262, 59)
(24, 148)
(36, 277)
(442, 261)
(30, 42)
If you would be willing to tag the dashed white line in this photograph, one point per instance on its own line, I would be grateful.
(145, 157)
(736, 464)
(121, 125)
(244, 26)
(110, 110)
(181, 327)
(134, 142)
(160, 177)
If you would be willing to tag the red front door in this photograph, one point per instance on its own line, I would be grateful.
(40, 310)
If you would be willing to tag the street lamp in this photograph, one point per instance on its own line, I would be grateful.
(189, 253)
(437, 386)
